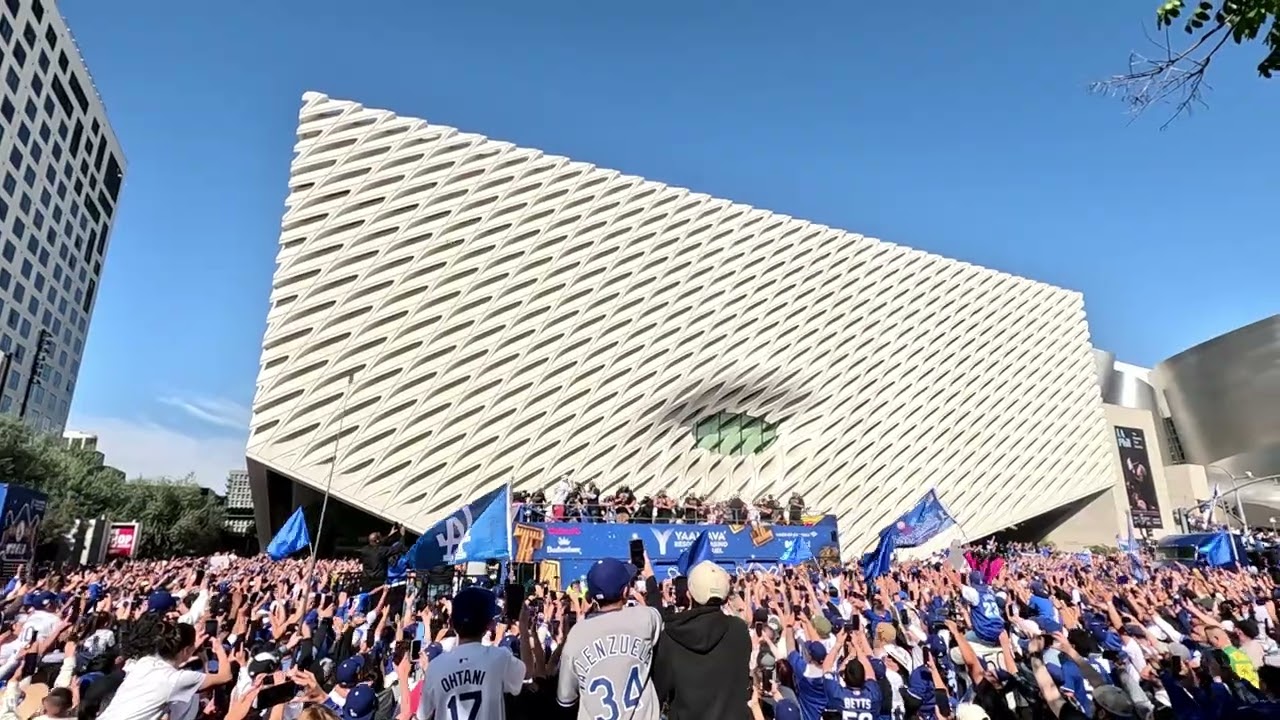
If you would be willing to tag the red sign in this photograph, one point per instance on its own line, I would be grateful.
(122, 541)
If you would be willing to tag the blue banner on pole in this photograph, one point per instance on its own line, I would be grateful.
(923, 522)
(575, 546)
(293, 536)
(479, 530)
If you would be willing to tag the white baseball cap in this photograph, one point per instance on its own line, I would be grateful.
(708, 581)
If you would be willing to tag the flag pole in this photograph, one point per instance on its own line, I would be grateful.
(328, 485)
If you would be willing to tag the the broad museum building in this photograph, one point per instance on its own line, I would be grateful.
(450, 313)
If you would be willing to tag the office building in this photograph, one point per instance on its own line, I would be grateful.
(61, 168)
(450, 313)
(239, 507)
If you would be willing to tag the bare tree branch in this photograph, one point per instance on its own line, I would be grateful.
(1177, 78)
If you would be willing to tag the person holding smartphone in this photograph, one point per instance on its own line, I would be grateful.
(154, 684)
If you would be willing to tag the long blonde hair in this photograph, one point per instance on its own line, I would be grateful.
(317, 712)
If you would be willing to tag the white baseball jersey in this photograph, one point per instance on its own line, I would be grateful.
(468, 683)
(605, 665)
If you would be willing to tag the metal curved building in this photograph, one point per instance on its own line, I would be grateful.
(1224, 398)
(451, 312)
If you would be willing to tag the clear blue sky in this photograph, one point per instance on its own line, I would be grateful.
(957, 129)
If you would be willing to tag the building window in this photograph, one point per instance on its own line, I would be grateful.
(11, 79)
(6, 30)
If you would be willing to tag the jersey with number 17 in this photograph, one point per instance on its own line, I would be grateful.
(469, 682)
(605, 665)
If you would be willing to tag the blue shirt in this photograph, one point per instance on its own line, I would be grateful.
(985, 616)
(811, 695)
(853, 703)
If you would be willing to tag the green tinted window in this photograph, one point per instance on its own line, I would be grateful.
(729, 433)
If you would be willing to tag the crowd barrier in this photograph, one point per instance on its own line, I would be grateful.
(563, 552)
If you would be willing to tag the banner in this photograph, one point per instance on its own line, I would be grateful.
(575, 546)
(122, 540)
(922, 523)
(479, 530)
(1139, 485)
(23, 511)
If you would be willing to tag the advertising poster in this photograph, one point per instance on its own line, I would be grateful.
(567, 550)
(23, 511)
(1139, 485)
(122, 541)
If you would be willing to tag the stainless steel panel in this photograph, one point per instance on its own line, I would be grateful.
(1105, 364)
(1224, 397)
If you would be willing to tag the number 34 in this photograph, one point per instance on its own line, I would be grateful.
(603, 689)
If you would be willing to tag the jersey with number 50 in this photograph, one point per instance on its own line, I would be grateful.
(605, 665)
(468, 683)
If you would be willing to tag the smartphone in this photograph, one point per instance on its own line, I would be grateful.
(286, 663)
(211, 628)
(30, 662)
(211, 667)
(637, 553)
(415, 649)
(570, 619)
(277, 694)
(30, 635)
(513, 600)
(681, 585)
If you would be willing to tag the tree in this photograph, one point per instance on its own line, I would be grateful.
(1177, 74)
(178, 516)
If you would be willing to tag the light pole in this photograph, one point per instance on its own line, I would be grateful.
(1236, 487)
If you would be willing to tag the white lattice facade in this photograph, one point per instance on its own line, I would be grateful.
(467, 313)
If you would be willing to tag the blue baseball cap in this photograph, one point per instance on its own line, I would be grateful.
(786, 710)
(817, 651)
(609, 579)
(434, 650)
(362, 703)
(348, 673)
(160, 601)
(473, 609)
(512, 643)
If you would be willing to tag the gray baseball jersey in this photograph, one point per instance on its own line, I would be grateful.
(605, 665)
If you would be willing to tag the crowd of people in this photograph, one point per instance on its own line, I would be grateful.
(999, 634)
(583, 502)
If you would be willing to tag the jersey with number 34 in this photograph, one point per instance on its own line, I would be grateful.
(468, 683)
(605, 665)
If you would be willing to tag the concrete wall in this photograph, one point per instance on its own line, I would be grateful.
(1094, 521)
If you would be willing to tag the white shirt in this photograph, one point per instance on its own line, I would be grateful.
(469, 683)
(44, 622)
(153, 686)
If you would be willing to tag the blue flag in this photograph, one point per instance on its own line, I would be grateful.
(1219, 551)
(923, 522)
(796, 552)
(291, 538)
(697, 552)
(877, 562)
(479, 530)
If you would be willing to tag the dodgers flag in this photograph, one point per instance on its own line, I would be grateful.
(922, 522)
(293, 536)
(878, 562)
(479, 530)
(1219, 550)
(796, 552)
(697, 552)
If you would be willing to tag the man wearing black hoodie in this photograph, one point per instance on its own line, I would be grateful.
(701, 665)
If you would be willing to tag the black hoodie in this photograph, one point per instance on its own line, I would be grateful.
(701, 665)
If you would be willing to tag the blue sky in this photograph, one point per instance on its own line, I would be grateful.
(962, 130)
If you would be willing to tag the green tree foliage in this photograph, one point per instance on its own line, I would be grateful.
(178, 516)
(1176, 73)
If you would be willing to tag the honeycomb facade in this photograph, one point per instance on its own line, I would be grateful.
(451, 312)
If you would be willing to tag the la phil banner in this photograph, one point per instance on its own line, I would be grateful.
(574, 545)
(1139, 485)
(122, 540)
